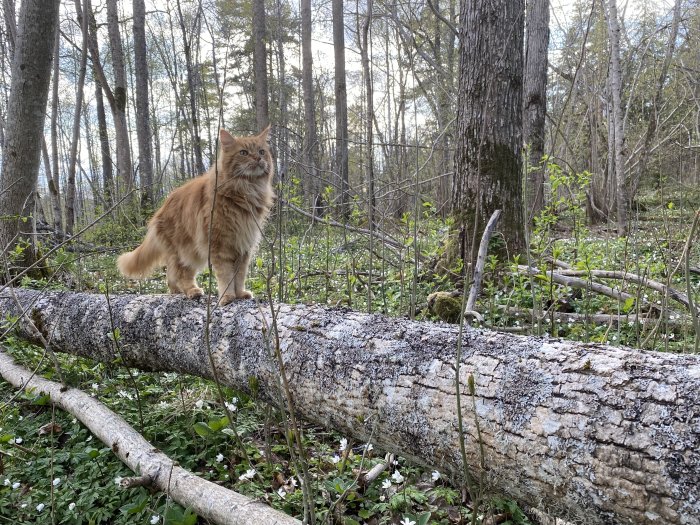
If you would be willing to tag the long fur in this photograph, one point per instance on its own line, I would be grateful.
(231, 201)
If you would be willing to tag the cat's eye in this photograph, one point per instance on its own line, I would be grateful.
(244, 152)
(262, 152)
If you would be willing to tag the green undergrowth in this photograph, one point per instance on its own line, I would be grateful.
(317, 262)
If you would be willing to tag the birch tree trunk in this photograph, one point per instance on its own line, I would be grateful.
(590, 433)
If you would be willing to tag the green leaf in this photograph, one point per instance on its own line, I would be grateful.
(202, 429)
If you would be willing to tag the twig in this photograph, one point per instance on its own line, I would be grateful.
(631, 277)
(479, 267)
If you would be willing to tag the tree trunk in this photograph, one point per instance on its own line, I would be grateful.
(192, 93)
(341, 108)
(598, 434)
(124, 171)
(535, 99)
(26, 110)
(618, 151)
(75, 139)
(55, 178)
(262, 113)
(310, 158)
(488, 157)
(143, 125)
(107, 171)
(369, 115)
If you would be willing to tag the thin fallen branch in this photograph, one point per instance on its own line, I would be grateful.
(479, 267)
(630, 277)
(576, 282)
(209, 500)
(575, 317)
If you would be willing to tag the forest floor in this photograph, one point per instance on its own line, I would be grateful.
(66, 477)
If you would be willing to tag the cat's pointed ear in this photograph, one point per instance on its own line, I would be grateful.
(265, 134)
(226, 139)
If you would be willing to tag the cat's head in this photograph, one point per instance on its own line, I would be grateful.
(245, 157)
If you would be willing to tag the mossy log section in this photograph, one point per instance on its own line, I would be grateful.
(209, 500)
(590, 433)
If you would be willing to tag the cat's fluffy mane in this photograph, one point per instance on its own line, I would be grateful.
(223, 210)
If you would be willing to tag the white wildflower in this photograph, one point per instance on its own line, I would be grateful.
(71, 506)
(281, 492)
(199, 404)
(56, 482)
(397, 477)
(16, 485)
(40, 507)
(335, 459)
(435, 475)
(249, 474)
(343, 444)
(386, 483)
(155, 519)
(219, 457)
(407, 521)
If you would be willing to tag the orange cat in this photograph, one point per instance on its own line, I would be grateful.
(179, 233)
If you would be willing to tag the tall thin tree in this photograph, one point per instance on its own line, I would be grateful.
(618, 132)
(31, 76)
(341, 107)
(143, 125)
(118, 101)
(262, 112)
(535, 99)
(310, 158)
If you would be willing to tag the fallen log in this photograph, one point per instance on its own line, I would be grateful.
(589, 433)
(209, 500)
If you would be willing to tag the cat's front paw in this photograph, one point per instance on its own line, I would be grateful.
(229, 298)
(194, 293)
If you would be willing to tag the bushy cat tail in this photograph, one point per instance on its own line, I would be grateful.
(139, 263)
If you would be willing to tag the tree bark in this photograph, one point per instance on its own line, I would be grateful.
(488, 157)
(26, 110)
(262, 113)
(75, 139)
(143, 125)
(341, 108)
(535, 99)
(593, 433)
(106, 156)
(118, 101)
(618, 151)
(209, 500)
(311, 158)
(55, 177)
